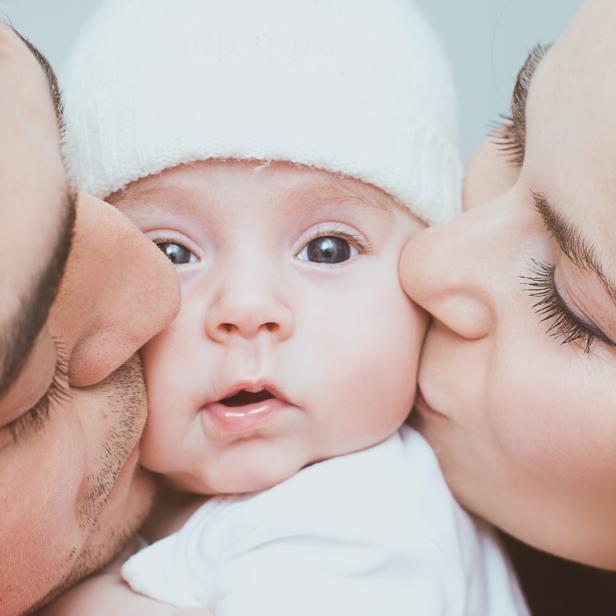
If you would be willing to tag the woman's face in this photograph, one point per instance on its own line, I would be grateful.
(518, 375)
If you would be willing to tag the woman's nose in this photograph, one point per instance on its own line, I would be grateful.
(249, 302)
(449, 270)
(118, 291)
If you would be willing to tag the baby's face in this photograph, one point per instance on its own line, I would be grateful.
(294, 341)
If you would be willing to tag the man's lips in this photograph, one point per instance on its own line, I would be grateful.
(245, 407)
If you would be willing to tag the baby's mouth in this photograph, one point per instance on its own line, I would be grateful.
(246, 411)
(243, 398)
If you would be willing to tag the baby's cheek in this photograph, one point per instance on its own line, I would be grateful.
(407, 341)
(385, 370)
(402, 330)
(162, 433)
(404, 335)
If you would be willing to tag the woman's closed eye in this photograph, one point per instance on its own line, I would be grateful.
(551, 308)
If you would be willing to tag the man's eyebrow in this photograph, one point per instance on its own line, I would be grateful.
(571, 242)
(18, 335)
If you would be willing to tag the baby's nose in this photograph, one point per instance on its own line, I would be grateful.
(247, 309)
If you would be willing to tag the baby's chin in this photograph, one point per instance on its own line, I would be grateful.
(239, 472)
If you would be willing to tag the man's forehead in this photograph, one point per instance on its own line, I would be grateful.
(14, 53)
(29, 166)
(28, 82)
(50, 76)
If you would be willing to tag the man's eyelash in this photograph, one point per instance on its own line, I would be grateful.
(550, 307)
(58, 391)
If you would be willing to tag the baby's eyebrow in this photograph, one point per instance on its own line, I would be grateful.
(336, 190)
(340, 191)
(136, 196)
(163, 198)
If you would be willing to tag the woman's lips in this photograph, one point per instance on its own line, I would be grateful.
(425, 409)
(237, 419)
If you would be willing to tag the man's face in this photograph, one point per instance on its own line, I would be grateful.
(81, 291)
(294, 342)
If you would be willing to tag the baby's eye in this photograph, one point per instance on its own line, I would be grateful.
(176, 253)
(327, 249)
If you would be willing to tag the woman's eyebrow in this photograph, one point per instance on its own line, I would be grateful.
(571, 242)
(521, 89)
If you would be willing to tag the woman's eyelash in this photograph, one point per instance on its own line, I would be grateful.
(510, 133)
(57, 392)
(549, 305)
(507, 140)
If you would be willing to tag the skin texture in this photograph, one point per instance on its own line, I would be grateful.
(255, 310)
(71, 490)
(525, 424)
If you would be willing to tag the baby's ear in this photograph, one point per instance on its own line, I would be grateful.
(490, 172)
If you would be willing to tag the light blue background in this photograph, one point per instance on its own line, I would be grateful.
(487, 41)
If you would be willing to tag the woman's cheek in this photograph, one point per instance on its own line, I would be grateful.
(537, 417)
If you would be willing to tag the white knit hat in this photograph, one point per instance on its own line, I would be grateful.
(358, 87)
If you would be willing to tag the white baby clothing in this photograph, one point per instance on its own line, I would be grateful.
(369, 533)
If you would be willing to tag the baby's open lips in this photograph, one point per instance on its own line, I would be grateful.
(245, 408)
(244, 397)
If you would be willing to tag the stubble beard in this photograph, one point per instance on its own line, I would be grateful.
(127, 403)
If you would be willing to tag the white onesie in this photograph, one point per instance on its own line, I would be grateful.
(371, 533)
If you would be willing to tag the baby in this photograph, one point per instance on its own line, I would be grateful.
(281, 153)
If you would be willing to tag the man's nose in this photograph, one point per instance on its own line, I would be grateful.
(453, 270)
(250, 300)
(118, 292)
